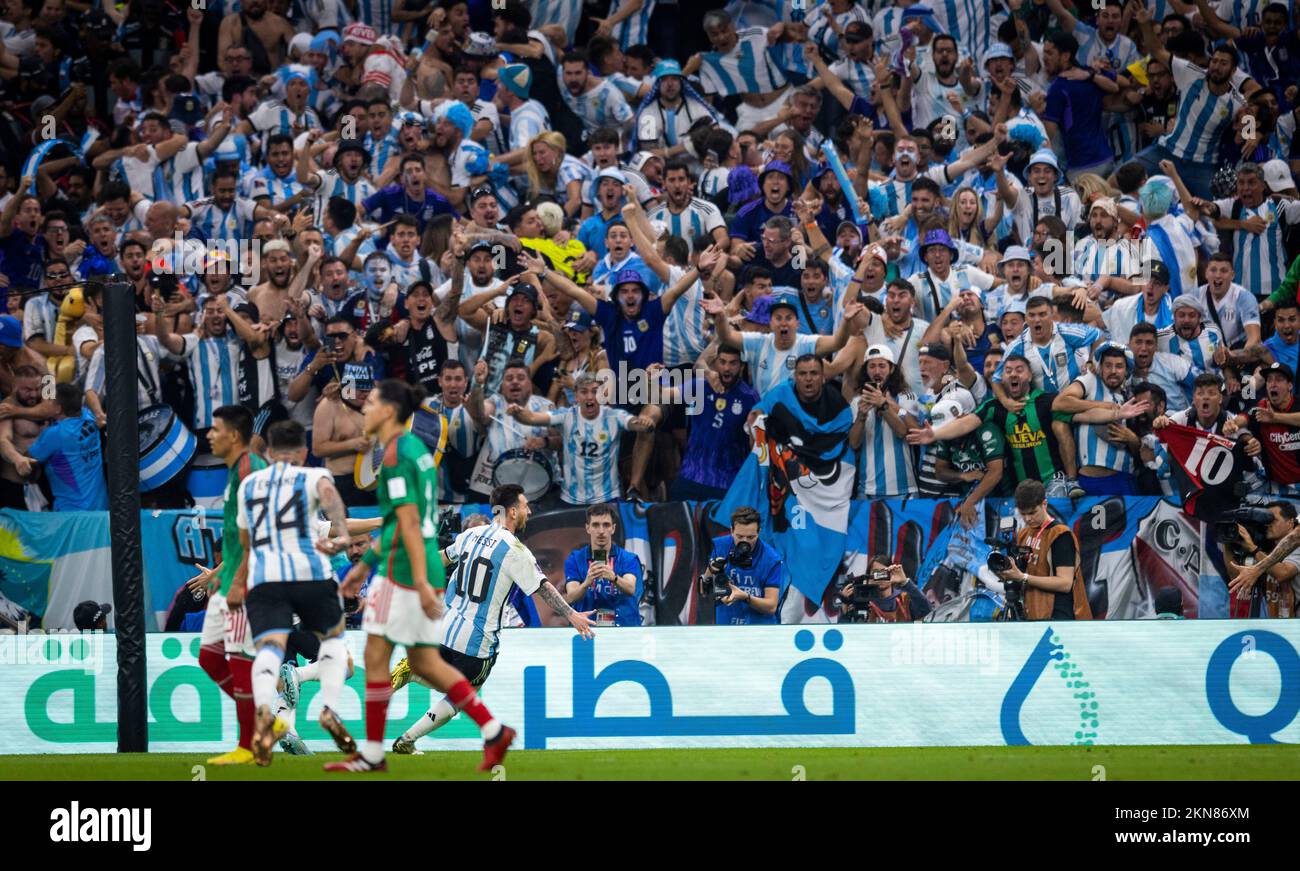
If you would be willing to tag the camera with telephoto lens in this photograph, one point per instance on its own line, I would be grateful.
(1005, 556)
(866, 587)
(1253, 519)
(741, 556)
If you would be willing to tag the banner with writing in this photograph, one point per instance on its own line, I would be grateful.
(1066, 683)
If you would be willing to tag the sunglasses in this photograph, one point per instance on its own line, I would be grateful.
(54, 276)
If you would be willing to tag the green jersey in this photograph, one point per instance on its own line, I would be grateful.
(408, 477)
(971, 453)
(231, 550)
(1031, 445)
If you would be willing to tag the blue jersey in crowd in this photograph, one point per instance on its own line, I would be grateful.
(717, 445)
(639, 341)
(385, 205)
(603, 597)
(69, 450)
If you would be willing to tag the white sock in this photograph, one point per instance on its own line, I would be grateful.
(490, 730)
(332, 665)
(437, 717)
(266, 671)
(311, 671)
(372, 751)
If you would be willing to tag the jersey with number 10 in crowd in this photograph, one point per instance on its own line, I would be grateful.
(277, 508)
(490, 560)
(408, 477)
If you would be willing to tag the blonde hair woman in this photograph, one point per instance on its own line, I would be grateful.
(967, 220)
(554, 172)
(1091, 186)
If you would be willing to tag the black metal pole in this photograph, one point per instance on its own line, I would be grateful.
(124, 515)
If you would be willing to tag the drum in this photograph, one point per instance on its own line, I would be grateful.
(207, 481)
(166, 446)
(530, 469)
(365, 471)
(430, 426)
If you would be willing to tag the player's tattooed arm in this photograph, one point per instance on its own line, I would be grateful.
(552, 597)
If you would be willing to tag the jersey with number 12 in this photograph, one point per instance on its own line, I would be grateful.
(408, 477)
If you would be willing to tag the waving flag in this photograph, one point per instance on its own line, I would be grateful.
(800, 477)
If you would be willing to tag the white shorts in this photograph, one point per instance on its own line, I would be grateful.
(227, 628)
(394, 612)
(747, 116)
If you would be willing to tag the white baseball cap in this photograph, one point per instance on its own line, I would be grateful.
(1277, 175)
(880, 352)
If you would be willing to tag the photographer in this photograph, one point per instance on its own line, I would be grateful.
(1051, 578)
(602, 576)
(882, 595)
(1277, 596)
(744, 575)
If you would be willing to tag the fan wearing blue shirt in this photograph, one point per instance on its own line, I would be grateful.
(411, 197)
(753, 572)
(1073, 113)
(1284, 345)
(69, 451)
(602, 576)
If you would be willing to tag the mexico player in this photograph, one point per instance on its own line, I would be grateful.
(226, 651)
(405, 600)
(285, 574)
(489, 561)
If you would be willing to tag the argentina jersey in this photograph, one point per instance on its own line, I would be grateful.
(886, 466)
(635, 29)
(507, 434)
(334, 185)
(381, 152)
(526, 122)
(684, 330)
(1119, 55)
(489, 561)
(590, 454)
(1095, 257)
(565, 13)
(1175, 376)
(1198, 351)
(602, 106)
(279, 118)
(218, 224)
(1202, 116)
(969, 22)
(277, 508)
(266, 184)
(747, 68)
(822, 32)
(695, 222)
(859, 77)
(180, 178)
(214, 370)
(1236, 310)
(768, 365)
(1260, 259)
(886, 26)
(1060, 361)
(1094, 449)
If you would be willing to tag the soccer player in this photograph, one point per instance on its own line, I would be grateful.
(405, 602)
(226, 646)
(285, 574)
(489, 561)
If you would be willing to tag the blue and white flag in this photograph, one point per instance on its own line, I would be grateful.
(800, 477)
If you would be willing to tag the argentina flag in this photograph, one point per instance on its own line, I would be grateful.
(800, 477)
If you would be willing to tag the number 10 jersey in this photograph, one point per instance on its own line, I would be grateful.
(489, 560)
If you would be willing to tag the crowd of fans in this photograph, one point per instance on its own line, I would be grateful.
(990, 226)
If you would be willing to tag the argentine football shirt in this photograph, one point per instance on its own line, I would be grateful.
(590, 454)
(489, 561)
(769, 365)
(1094, 449)
(334, 185)
(216, 224)
(602, 106)
(1235, 312)
(1198, 351)
(635, 29)
(1202, 116)
(1260, 258)
(695, 223)
(277, 508)
(747, 68)
(1060, 361)
(886, 466)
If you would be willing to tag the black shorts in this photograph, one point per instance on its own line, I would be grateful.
(476, 670)
(270, 607)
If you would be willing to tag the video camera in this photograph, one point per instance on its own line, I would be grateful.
(741, 556)
(1007, 554)
(1254, 519)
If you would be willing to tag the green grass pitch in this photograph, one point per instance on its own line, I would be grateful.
(1231, 762)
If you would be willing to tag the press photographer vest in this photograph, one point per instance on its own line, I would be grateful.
(1039, 603)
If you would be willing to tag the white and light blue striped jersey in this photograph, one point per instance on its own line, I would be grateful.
(857, 77)
(889, 197)
(334, 185)
(1094, 449)
(695, 222)
(1244, 13)
(1175, 375)
(590, 454)
(180, 178)
(496, 141)
(1119, 54)
(933, 293)
(507, 434)
(527, 121)
(768, 365)
(602, 106)
(930, 100)
(635, 29)
(464, 439)
(1260, 258)
(1095, 257)
(1202, 116)
(277, 508)
(565, 13)
(377, 13)
(969, 23)
(1030, 208)
(386, 149)
(471, 159)
(684, 331)
(1198, 351)
(713, 181)
(823, 34)
(217, 224)
(747, 68)
(275, 117)
(1129, 311)
(489, 561)
(886, 465)
(1235, 310)
(571, 169)
(214, 372)
(265, 183)
(1060, 361)
(886, 26)
(1174, 240)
